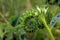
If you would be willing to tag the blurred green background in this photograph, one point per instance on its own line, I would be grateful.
(13, 8)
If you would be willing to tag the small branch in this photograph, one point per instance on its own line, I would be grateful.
(4, 18)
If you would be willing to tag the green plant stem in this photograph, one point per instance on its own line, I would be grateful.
(5, 19)
(47, 27)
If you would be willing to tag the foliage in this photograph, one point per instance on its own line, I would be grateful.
(34, 24)
(29, 21)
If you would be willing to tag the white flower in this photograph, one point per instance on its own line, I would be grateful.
(38, 9)
(42, 9)
(45, 10)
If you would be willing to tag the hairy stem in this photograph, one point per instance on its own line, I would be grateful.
(47, 27)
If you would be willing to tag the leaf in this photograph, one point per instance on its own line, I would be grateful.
(54, 20)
